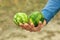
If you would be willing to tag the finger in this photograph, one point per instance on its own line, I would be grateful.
(27, 27)
(33, 28)
(21, 25)
(31, 24)
(39, 26)
(40, 23)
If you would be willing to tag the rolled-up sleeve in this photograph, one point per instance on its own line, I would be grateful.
(51, 8)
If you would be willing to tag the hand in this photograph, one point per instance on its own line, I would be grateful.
(30, 26)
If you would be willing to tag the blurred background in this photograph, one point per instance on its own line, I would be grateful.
(10, 31)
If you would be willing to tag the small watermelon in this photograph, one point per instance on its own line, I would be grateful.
(35, 17)
(20, 18)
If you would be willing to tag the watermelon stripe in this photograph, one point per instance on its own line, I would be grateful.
(20, 18)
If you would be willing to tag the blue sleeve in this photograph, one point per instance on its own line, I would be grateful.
(51, 8)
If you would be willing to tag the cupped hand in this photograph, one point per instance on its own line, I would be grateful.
(31, 27)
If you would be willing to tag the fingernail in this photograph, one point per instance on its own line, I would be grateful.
(20, 23)
(40, 22)
(31, 23)
(26, 24)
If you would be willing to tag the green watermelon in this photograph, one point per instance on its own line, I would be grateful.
(20, 18)
(35, 17)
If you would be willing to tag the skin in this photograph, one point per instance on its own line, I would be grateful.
(30, 26)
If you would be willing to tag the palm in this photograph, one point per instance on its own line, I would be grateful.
(31, 27)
